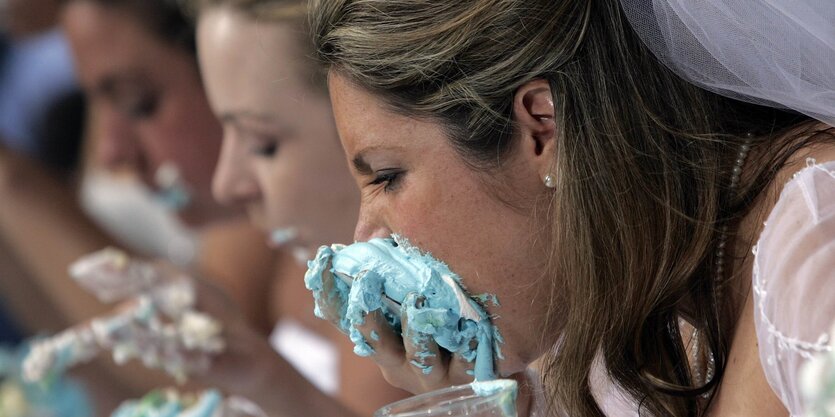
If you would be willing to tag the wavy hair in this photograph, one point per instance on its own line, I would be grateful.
(644, 162)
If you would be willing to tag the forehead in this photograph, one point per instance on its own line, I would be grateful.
(365, 121)
(241, 57)
(107, 41)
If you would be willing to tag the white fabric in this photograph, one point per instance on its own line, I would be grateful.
(774, 52)
(315, 357)
(794, 280)
(125, 208)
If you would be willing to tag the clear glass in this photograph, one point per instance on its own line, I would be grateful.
(497, 399)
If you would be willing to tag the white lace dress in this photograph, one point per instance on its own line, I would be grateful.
(794, 280)
(794, 289)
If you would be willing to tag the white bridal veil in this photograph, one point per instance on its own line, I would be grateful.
(773, 52)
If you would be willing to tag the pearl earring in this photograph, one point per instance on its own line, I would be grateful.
(550, 181)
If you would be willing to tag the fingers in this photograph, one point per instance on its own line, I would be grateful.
(333, 303)
(111, 274)
(421, 350)
(412, 359)
(461, 371)
(386, 346)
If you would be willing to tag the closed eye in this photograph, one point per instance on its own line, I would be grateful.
(266, 150)
(390, 180)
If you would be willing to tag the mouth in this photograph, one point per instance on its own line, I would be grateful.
(282, 237)
(171, 189)
(288, 238)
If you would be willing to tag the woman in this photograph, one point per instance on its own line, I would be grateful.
(149, 118)
(136, 60)
(282, 161)
(541, 151)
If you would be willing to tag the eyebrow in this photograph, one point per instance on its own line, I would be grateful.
(361, 165)
(234, 115)
(110, 82)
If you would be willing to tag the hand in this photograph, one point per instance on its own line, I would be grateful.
(412, 360)
(167, 319)
(248, 360)
(157, 323)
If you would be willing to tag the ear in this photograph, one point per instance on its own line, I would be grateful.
(533, 112)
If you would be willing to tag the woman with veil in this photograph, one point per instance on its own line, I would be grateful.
(658, 248)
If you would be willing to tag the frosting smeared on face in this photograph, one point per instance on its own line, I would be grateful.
(349, 282)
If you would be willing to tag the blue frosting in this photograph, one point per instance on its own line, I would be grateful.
(159, 404)
(502, 391)
(59, 397)
(430, 295)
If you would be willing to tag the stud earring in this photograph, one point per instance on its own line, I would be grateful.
(550, 181)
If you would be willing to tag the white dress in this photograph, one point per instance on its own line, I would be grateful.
(794, 290)
(794, 280)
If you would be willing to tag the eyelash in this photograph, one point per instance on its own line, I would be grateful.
(391, 179)
(145, 107)
(267, 150)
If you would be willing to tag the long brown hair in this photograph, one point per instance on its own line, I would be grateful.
(644, 168)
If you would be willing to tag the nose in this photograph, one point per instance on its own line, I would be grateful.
(117, 144)
(233, 182)
(370, 225)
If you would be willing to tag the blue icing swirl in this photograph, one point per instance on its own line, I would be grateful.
(58, 396)
(428, 291)
(160, 404)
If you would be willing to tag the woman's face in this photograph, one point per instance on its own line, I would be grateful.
(414, 183)
(281, 156)
(148, 103)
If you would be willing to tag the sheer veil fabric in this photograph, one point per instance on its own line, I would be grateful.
(779, 53)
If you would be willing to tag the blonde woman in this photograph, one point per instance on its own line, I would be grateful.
(281, 160)
(543, 152)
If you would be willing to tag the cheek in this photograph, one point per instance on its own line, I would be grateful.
(186, 136)
(451, 220)
(280, 188)
(294, 190)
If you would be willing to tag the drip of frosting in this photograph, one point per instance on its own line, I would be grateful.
(283, 236)
(172, 193)
(503, 391)
(431, 296)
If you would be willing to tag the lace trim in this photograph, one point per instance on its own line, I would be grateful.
(805, 349)
(812, 163)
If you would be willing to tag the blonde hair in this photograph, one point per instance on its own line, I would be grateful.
(293, 12)
(644, 162)
(270, 10)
